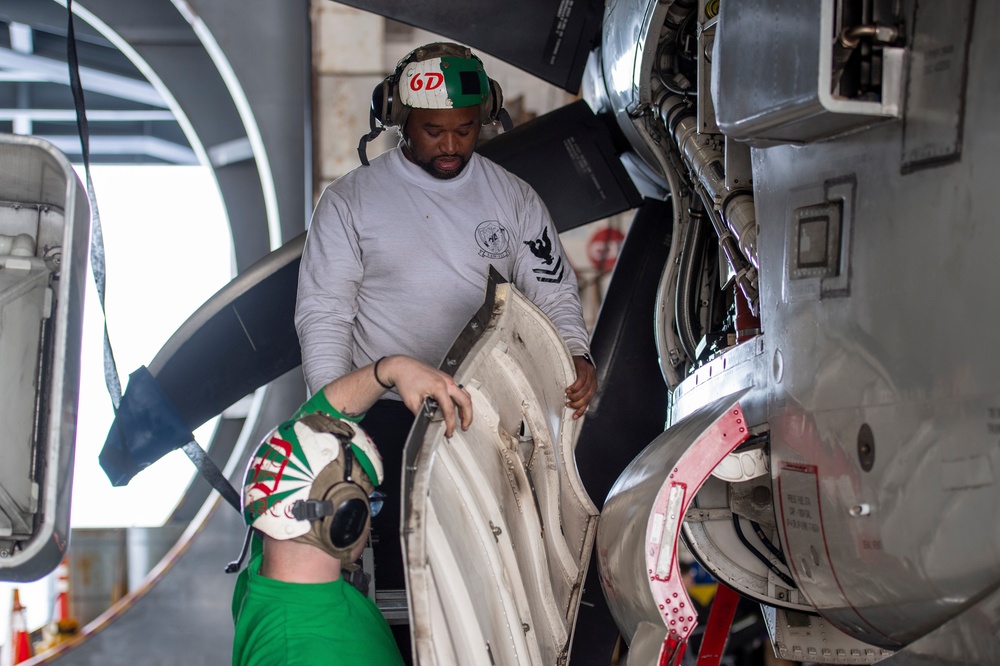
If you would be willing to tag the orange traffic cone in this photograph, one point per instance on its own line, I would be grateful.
(19, 640)
(65, 622)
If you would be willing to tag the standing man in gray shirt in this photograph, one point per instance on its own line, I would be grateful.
(398, 252)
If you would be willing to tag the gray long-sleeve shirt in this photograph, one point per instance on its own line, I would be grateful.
(396, 262)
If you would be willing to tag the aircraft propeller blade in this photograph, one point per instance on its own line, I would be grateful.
(570, 157)
(548, 38)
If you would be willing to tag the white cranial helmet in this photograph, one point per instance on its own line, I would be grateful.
(310, 481)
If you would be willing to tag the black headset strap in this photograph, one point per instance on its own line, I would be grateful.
(235, 565)
(311, 509)
(348, 460)
(371, 136)
(363, 145)
(505, 120)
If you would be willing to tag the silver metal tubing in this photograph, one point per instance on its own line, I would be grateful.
(694, 243)
(851, 36)
(732, 211)
(706, 163)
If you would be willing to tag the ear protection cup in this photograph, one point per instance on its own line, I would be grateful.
(493, 106)
(338, 508)
(351, 516)
(382, 102)
(348, 523)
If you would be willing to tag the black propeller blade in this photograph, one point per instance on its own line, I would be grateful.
(570, 157)
(239, 340)
(547, 38)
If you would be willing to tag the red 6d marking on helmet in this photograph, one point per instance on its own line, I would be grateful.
(428, 81)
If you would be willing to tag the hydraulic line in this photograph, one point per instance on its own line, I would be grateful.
(785, 578)
(746, 275)
(668, 344)
(732, 211)
(759, 531)
(687, 274)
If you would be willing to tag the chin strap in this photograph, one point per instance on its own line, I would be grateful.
(505, 120)
(371, 136)
(234, 566)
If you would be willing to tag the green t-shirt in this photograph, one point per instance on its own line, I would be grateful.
(309, 624)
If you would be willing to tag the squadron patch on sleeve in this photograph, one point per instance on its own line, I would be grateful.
(542, 248)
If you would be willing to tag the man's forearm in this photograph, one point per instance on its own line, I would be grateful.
(352, 394)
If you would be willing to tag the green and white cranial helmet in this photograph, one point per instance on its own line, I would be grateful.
(310, 480)
(441, 75)
(443, 82)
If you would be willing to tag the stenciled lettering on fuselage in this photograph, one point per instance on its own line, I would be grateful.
(542, 248)
(493, 240)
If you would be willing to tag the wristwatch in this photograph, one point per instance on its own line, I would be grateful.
(586, 357)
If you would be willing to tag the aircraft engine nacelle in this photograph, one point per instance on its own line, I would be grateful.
(831, 167)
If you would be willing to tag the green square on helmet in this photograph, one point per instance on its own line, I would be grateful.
(448, 82)
(466, 81)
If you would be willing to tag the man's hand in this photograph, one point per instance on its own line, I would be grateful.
(580, 392)
(415, 381)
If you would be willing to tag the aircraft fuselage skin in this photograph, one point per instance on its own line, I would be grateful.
(872, 377)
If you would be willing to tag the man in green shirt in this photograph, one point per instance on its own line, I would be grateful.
(307, 496)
